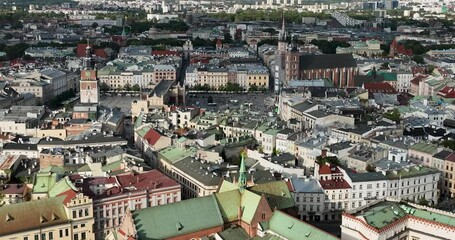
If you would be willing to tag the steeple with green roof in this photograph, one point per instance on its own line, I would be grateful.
(242, 175)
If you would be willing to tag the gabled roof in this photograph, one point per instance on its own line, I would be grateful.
(62, 186)
(229, 203)
(379, 87)
(442, 154)
(176, 219)
(20, 217)
(291, 228)
(277, 194)
(152, 136)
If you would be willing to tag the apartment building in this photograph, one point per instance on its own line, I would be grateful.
(41, 89)
(245, 76)
(448, 175)
(117, 77)
(404, 81)
(112, 196)
(14, 193)
(422, 153)
(414, 183)
(68, 216)
(366, 187)
(309, 198)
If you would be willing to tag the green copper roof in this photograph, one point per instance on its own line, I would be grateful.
(242, 173)
(182, 140)
(291, 228)
(411, 172)
(249, 204)
(61, 186)
(176, 219)
(229, 204)
(112, 166)
(384, 213)
(174, 154)
(428, 215)
(235, 233)
(425, 147)
(272, 132)
(227, 186)
(277, 193)
(143, 131)
(53, 169)
(138, 120)
(388, 76)
(44, 182)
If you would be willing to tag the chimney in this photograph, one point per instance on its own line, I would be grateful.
(323, 152)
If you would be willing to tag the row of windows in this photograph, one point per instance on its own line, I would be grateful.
(62, 233)
(80, 213)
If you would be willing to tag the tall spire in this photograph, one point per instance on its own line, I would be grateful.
(88, 56)
(242, 172)
(283, 27)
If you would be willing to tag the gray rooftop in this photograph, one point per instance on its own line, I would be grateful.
(306, 185)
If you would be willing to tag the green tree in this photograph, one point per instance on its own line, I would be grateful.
(448, 144)
(418, 59)
(329, 47)
(127, 87)
(136, 88)
(423, 201)
(274, 152)
(8, 36)
(261, 149)
(331, 159)
(385, 65)
(227, 37)
(253, 88)
(370, 168)
(104, 87)
(393, 115)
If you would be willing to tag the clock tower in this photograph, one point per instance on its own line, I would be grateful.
(89, 87)
(89, 92)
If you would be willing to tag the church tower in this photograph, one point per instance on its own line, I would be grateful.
(242, 173)
(187, 49)
(280, 71)
(89, 92)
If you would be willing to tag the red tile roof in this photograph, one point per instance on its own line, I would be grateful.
(100, 52)
(417, 70)
(14, 188)
(152, 136)
(451, 157)
(447, 92)
(165, 53)
(416, 80)
(149, 180)
(70, 194)
(334, 184)
(379, 87)
(324, 169)
(81, 47)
